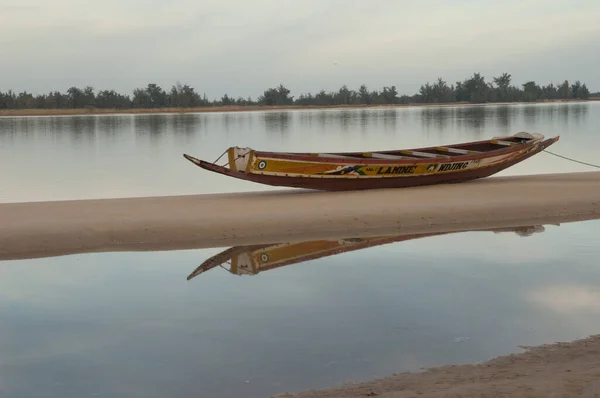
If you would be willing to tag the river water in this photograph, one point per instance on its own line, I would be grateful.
(66, 157)
(132, 325)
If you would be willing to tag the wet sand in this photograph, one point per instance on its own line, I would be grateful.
(556, 370)
(40, 229)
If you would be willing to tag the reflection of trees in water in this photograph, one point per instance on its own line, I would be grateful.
(12, 126)
(187, 124)
(78, 129)
(343, 118)
(473, 117)
(365, 117)
(150, 126)
(21, 128)
(81, 129)
(109, 127)
(390, 119)
(468, 117)
(237, 121)
(563, 113)
(277, 122)
(500, 116)
(531, 114)
(347, 118)
(503, 116)
(111, 124)
(306, 118)
(437, 117)
(577, 112)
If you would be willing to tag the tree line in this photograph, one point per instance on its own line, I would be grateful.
(471, 90)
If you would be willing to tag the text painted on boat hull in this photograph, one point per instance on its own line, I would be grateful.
(396, 170)
(453, 166)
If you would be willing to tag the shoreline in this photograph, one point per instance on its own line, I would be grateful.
(46, 229)
(549, 370)
(255, 108)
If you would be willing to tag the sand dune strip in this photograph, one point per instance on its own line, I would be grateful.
(40, 229)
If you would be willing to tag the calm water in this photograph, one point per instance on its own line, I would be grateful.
(47, 158)
(131, 325)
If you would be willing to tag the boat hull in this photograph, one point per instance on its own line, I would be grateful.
(351, 183)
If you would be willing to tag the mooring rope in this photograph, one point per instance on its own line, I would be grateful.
(234, 159)
(572, 160)
(220, 156)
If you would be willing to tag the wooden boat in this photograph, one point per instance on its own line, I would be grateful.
(253, 259)
(385, 169)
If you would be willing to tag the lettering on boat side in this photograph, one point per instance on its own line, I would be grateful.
(397, 170)
(454, 166)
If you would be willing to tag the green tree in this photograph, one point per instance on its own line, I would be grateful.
(531, 91)
(564, 90)
(75, 98)
(390, 95)
(364, 95)
(503, 83)
(279, 95)
(477, 89)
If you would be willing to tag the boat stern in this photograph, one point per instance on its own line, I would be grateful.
(527, 137)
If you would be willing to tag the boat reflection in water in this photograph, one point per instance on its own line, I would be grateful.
(252, 259)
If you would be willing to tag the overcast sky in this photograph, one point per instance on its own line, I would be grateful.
(244, 47)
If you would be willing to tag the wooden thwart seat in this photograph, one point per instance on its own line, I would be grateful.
(424, 154)
(386, 156)
(457, 150)
(330, 155)
(505, 143)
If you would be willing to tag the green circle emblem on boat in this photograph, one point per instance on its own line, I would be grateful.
(262, 164)
(264, 257)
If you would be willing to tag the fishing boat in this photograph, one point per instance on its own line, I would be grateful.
(344, 171)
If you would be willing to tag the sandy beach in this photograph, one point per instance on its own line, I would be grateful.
(40, 229)
(554, 370)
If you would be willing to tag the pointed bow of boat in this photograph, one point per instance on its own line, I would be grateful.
(192, 159)
(209, 166)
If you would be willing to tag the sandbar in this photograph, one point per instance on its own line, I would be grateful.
(554, 370)
(42, 229)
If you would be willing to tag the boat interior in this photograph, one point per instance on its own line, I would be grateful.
(449, 151)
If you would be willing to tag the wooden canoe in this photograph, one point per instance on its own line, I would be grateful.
(384, 169)
(253, 259)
